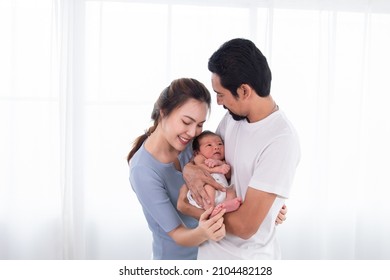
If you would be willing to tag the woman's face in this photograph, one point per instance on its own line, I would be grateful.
(184, 123)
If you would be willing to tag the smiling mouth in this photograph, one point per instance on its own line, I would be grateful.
(184, 141)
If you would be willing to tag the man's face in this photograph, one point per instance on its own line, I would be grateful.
(226, 99)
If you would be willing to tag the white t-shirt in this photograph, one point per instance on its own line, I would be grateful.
(263, 155)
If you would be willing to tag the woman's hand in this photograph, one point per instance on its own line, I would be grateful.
(281, 216)
(196, 178)
(213, 228)
(208, 229)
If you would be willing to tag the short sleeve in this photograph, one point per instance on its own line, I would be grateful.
(152, 194)
(275, 168)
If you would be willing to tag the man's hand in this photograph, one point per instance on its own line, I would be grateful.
(196, 178)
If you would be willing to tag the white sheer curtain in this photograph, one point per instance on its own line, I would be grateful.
(78, 80)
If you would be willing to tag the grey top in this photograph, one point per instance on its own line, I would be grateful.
(157, 187)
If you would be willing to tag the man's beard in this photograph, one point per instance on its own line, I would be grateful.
(235, 117)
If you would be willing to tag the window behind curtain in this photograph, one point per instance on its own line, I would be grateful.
(30, 193)
(329, 63)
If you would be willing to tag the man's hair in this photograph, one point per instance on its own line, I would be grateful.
(238, 62)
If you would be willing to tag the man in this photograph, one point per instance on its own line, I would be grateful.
(262, 148)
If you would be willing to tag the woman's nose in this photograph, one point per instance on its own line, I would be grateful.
(192, 131)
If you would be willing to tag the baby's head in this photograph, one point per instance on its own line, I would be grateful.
(210, 145)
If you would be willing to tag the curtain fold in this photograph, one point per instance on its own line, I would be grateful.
(70, 45)
(64, 45)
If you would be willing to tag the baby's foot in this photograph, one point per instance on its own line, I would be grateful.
(233, 204)
(217, 209)
(229, 205)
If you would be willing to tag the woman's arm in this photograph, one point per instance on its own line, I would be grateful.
(281, 216)
(184, 206)
(212, 229)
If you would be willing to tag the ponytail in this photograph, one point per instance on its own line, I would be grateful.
(140, 140)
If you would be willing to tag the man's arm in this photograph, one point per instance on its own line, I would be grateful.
(186, 208)
(246, 220)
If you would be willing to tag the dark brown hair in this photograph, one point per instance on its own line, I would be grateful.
(195, 143)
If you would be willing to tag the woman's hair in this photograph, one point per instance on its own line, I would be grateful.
(238, 62)
(195, 143)
(172, 97)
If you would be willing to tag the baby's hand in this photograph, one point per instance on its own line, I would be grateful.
(212, 162)
(225, 168)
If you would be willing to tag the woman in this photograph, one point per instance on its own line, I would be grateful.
(156, 162)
